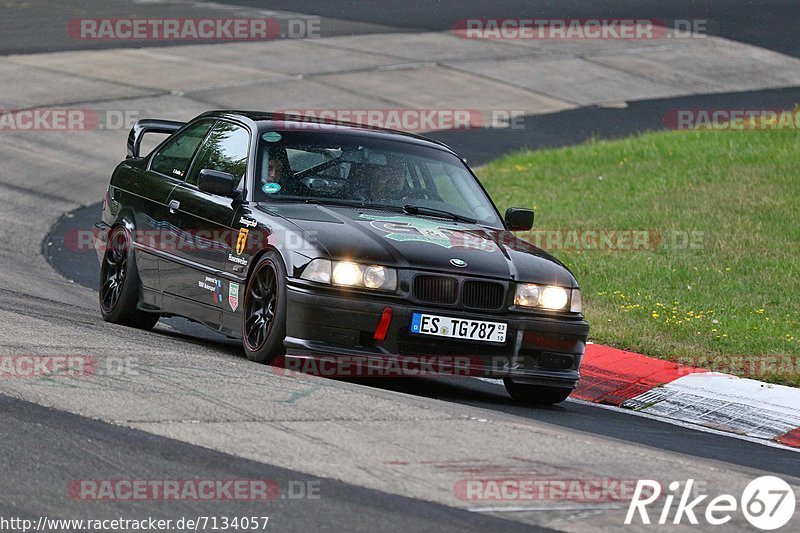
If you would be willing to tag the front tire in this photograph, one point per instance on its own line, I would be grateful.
(264, 315)
(120, 283)
(535, 394)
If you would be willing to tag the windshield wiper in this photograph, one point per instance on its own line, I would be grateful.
(422, 210)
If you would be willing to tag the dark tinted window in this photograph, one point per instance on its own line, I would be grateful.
(225, 150)
(174, 158)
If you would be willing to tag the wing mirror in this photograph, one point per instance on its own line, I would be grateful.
(518, 219)
(216, 182)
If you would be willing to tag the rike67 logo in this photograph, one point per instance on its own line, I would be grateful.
(767, 502)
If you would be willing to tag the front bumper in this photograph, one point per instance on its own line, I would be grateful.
(329, 324)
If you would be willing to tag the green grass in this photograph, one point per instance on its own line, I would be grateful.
(733, 302)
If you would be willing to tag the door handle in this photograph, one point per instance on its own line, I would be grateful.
(174, 205)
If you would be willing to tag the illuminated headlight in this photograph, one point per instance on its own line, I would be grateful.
(349, 274)
(554, 298)
(547, 297)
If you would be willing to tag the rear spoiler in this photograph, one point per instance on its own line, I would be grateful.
(149, 125)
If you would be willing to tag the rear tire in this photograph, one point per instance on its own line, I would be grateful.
(264, 310)
(535, 394)
(120, 284)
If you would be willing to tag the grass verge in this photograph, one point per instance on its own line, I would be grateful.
(705, 268)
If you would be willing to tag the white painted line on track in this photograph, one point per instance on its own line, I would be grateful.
(747, 406)
(687, 425)
(679, 423)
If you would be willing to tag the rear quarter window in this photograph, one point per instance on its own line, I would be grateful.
(173, 159)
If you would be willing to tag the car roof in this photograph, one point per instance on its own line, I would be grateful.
(267, 121)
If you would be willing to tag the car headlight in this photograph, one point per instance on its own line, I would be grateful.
(375, 277)
(347, 273)
(575, 303)
(547, 297)
(527, 295)
(318, 270)
(350, 274)
(554, 297)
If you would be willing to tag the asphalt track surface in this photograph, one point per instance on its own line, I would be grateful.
(46, 447)
(33, 26)
(478, 146)
(766, 23)
(37, 25)
(70, 447)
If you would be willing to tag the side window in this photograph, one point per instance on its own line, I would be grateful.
(225, 150)
(174, 158)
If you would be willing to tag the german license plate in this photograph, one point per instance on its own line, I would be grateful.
(458, 328)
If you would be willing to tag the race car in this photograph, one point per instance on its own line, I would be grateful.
(308, 238)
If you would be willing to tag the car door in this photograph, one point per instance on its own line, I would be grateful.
(206, 223)
(149, 195)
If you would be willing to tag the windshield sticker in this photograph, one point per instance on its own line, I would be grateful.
(272, 136)
(404, 228)
(271, 188)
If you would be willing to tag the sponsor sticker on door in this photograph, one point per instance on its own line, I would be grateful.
(233, 296)
(241, 241)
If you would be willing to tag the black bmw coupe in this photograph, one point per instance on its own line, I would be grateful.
(315, 239)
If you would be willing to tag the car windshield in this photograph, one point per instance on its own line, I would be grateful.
(344, 169)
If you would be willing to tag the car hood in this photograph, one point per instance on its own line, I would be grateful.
(422, 243)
